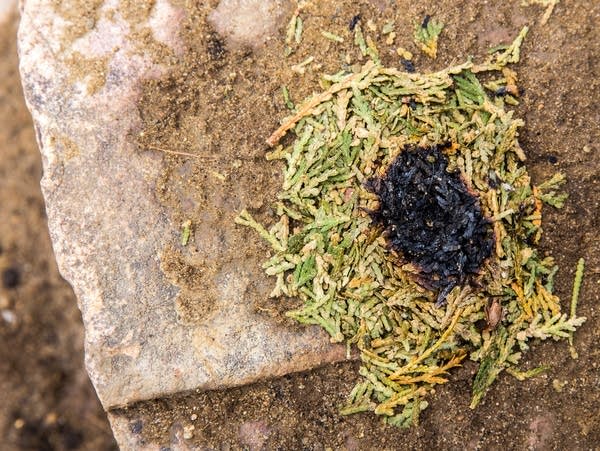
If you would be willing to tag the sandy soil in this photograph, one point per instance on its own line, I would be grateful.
(217, 103)
(48, 402)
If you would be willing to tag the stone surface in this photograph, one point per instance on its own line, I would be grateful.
(249, 22)
(81, 68)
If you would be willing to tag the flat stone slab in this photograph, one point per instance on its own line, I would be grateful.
(82, 67)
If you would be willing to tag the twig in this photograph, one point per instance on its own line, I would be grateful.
(575, 297)
(577, 285)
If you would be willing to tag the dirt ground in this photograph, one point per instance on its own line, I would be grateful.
(218, 103)
(47, 401)
(222, 103)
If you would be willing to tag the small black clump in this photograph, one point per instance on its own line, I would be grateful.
(11, 277)
(354, 22)
(426, 20)
(431, 219)
(136, 427)
(408, 65)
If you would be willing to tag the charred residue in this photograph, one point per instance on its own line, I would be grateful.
(431, 219)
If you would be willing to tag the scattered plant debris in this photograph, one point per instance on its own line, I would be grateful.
(300, 68)
(549, 4)
(574, 299)
(328, 247)
(294, 30)
(186, 232)
(427, 34)
(332, 37)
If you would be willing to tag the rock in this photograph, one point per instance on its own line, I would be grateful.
(82, 67)
(254, 434)
(249, 22)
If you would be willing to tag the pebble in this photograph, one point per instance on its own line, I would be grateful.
(188, 431)
(50, 419)
(9, 316)
(558, 385)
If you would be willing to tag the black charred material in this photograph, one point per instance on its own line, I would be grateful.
(431, 219)
(353, 22)
(493, 180)
(408, 65)
(426, 20)
(501, 91)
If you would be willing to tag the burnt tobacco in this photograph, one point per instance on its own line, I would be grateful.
(431, 219)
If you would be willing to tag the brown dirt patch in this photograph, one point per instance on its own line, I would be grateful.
(222, 103)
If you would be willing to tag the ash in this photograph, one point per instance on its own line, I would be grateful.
(431, 219)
